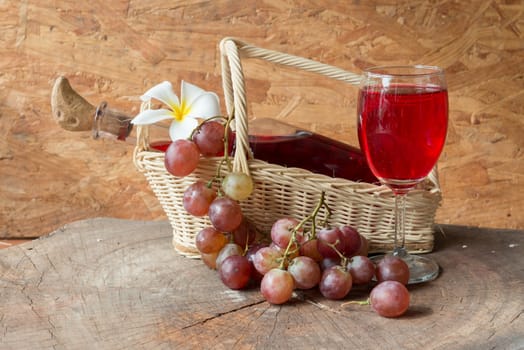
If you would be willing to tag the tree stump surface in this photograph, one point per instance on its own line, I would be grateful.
(118, 284)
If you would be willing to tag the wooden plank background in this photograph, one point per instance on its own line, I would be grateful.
(115, 50)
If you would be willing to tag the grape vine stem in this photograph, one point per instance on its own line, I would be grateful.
(310, 218)
(357, 302)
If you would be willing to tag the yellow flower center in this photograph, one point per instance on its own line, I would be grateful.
(179, 112)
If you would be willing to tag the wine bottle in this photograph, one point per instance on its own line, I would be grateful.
(270, 140)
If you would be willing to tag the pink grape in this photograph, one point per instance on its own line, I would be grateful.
(335, 283)
(305, 272)
(282, 230)
(181, 157)
(245, 233)
(209, 240)
(364, 246)
(326, 263)
(351, 241)
(310, 249)
(225, 214)
(361, 269)
(210, 138)
(277, 286)
(210, 260)
(267, 258)
(392, 268)
(198, 198)
(228, 250)
(235, 271)
(389, 299)
(256, 276)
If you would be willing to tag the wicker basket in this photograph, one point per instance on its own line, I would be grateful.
(281, 191)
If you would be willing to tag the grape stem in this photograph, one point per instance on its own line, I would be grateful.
(321, 203)
(225, 159)
(226, 139)
(199, 126)
(343, 258)
(357, 302)
(310, 218)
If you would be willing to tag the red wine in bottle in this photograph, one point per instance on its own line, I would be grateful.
(283, 144)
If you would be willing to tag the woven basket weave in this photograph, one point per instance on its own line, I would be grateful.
(281, 191)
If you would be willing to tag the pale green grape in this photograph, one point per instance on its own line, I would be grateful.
(237, 185)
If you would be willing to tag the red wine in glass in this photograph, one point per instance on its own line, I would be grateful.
(402, 125)
(403, 141)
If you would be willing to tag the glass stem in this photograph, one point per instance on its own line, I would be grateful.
(400, 233)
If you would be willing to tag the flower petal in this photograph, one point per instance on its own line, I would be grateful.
(205, 106)
(150, 116)
(162, 92)
(189, 92)
(182, 129)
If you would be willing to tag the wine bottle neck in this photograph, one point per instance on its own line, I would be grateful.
(115, 125)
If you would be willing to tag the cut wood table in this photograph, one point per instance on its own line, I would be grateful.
(115, 284)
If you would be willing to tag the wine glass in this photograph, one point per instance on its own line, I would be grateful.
(402, 125)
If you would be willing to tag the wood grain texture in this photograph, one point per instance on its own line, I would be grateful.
(116, 50)
(116, 284)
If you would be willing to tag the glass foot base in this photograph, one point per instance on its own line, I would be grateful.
(421, 269)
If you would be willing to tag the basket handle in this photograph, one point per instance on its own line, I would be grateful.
(235, 92)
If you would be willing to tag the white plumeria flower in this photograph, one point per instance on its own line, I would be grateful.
(194, 103)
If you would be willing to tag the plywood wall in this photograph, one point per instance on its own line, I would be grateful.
(115, 50)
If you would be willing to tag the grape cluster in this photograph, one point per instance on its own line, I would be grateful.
(294, 255)
(181, 158)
